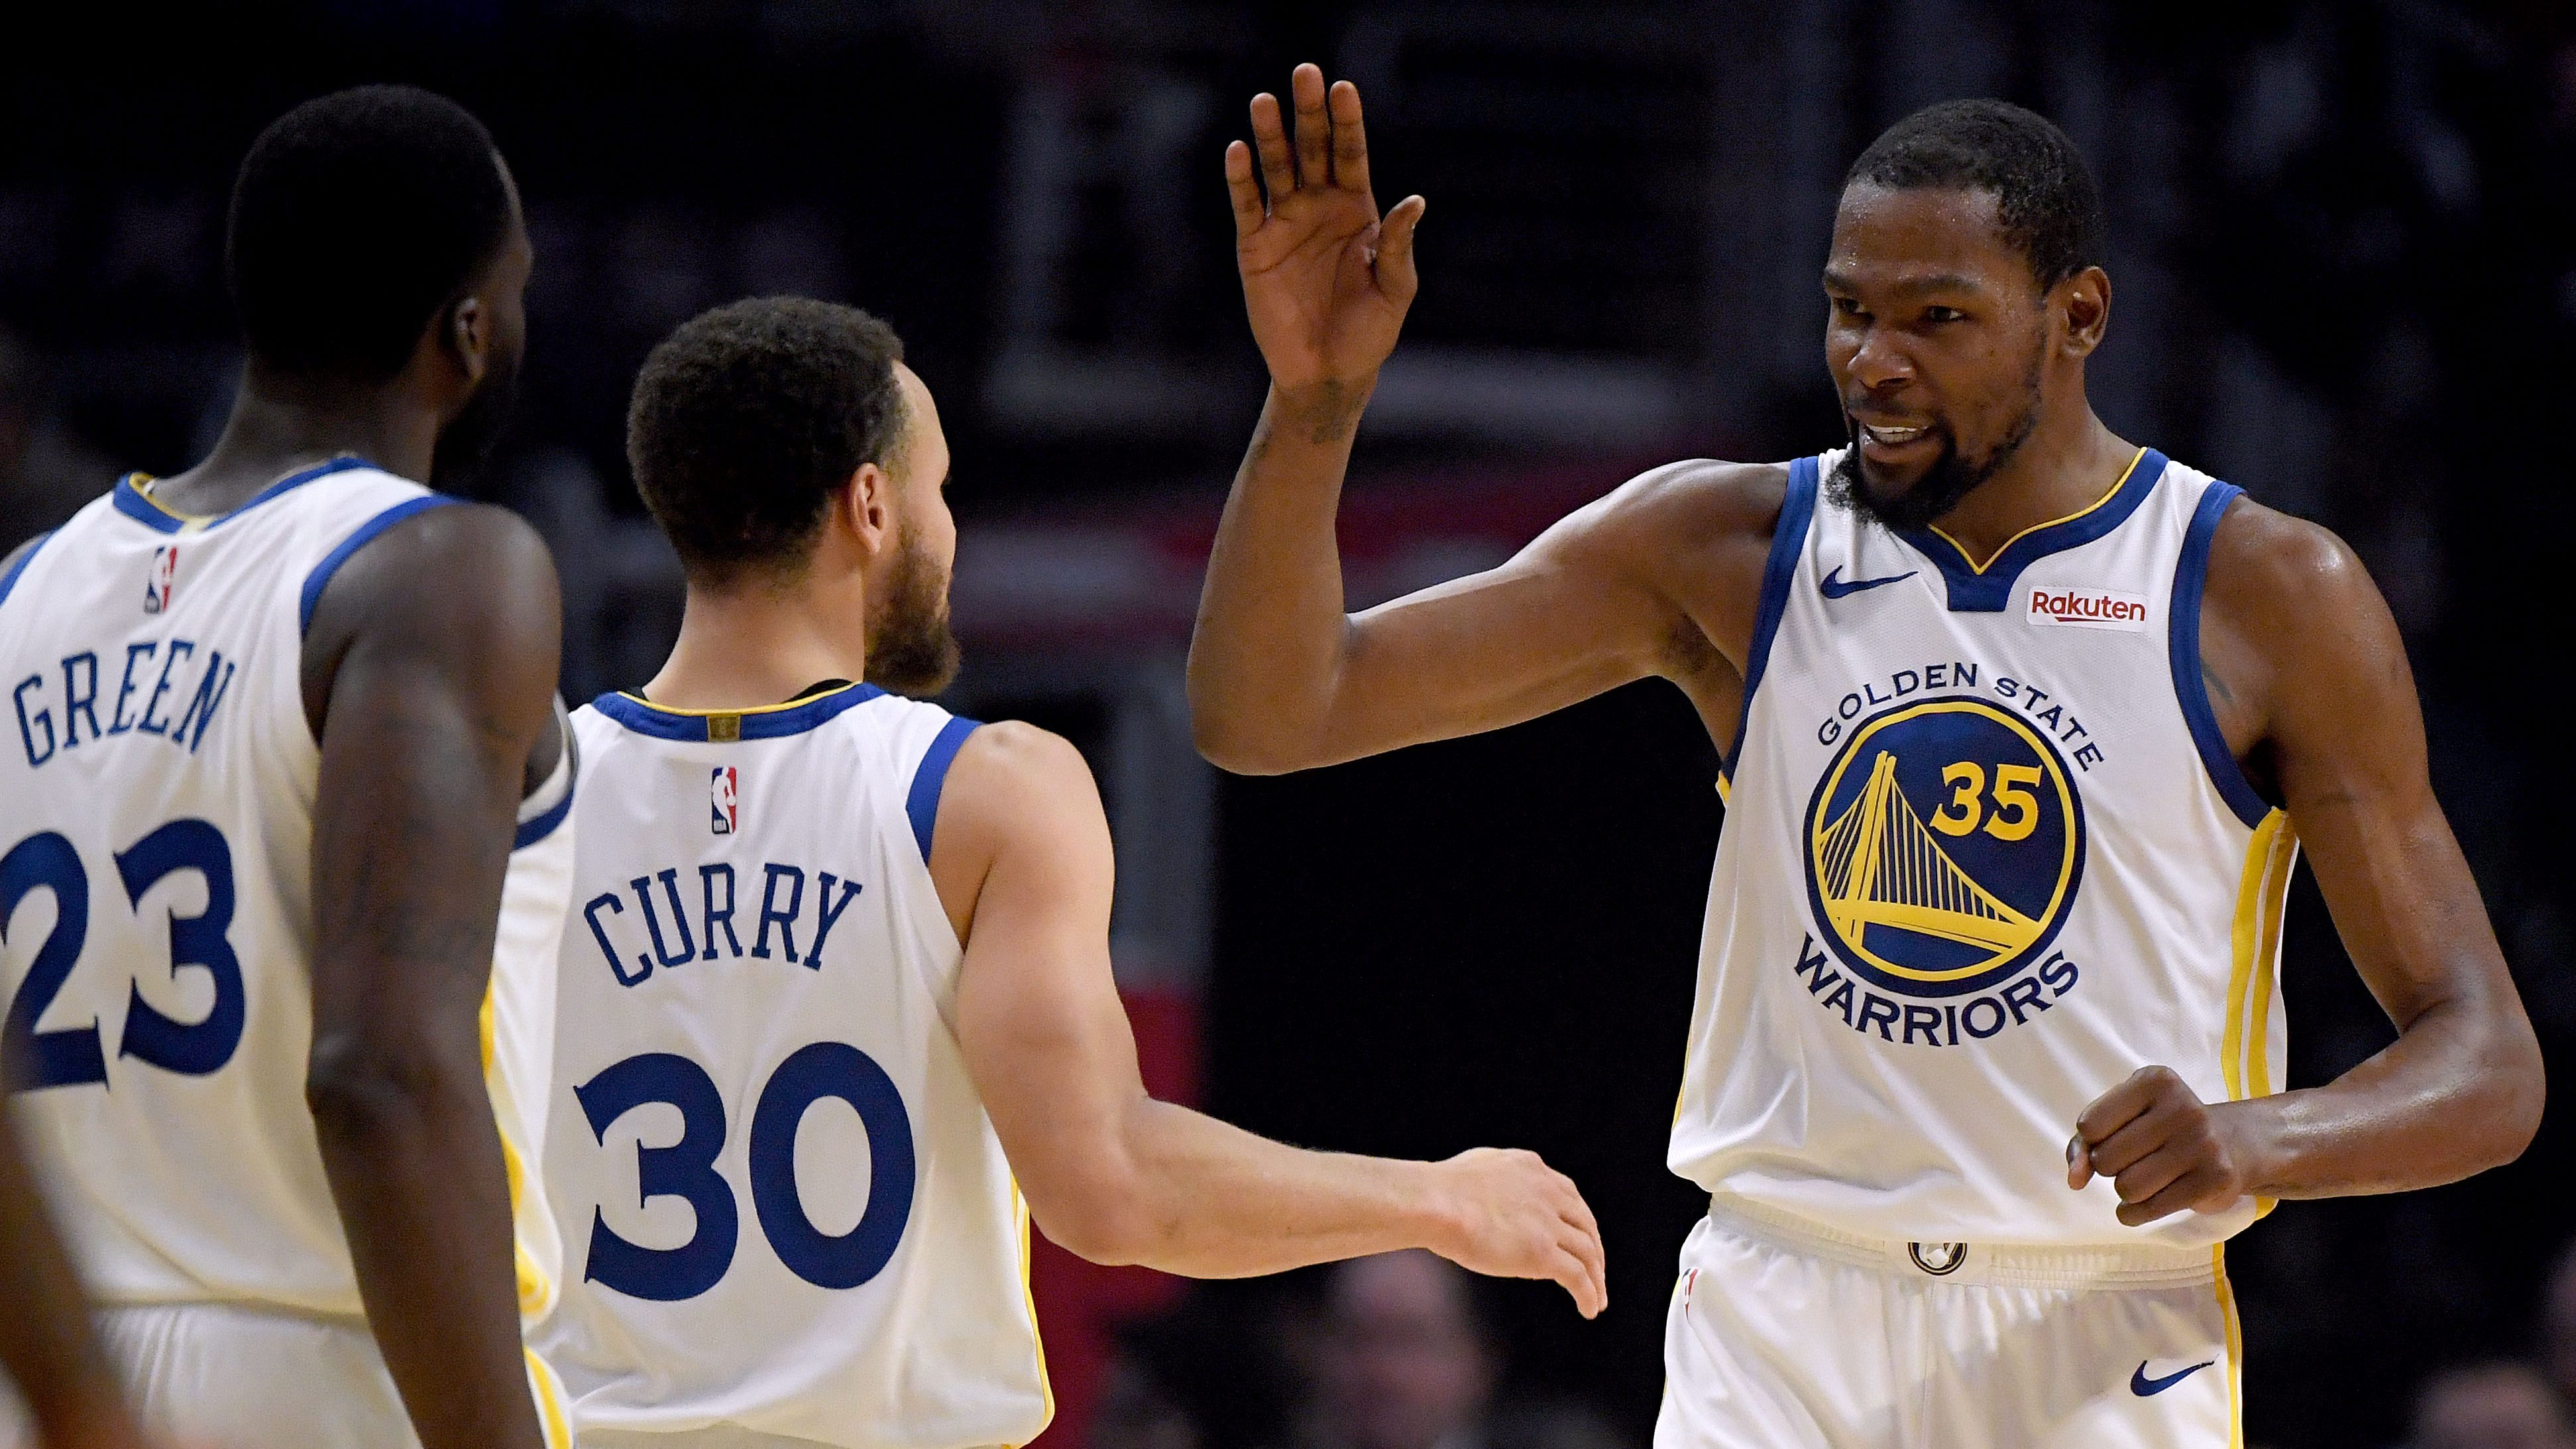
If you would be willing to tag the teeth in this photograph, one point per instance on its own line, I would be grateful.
(1891, 435)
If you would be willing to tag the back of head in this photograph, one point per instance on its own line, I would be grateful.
(2045, 197)
(355, 218)
(748, 418)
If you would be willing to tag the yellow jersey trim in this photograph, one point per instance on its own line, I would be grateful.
(2254, 982)
(550, 1410)
(1029, 1297)
(1975, 567)
(739, 709)
(536, 1294)
(2235, 1349)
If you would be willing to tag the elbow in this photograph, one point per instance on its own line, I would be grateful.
(1100, 1219)
(367, 1096)
(1239, 750)
(2520, 1083)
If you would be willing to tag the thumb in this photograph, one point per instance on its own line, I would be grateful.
(1395, 274)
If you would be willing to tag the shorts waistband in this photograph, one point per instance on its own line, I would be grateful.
(1989, 1265)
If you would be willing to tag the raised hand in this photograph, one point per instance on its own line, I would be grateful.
(1513, 1216)
(1325, 280)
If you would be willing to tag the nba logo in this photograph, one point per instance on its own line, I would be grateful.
(724, 813)
(156, 587)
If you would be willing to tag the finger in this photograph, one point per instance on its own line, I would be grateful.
(1242, 190)
(2157, 1171)
(2079, 1163)
(1571, 1275)
(1314, 127)
(1350, 140)
(1270, 138)
(2144, 1134)
(2181, 1195)
(2114, 1108)
(1587, 1247)
(1395, 273)
(1573, 1208)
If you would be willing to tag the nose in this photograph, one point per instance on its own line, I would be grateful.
(1879, 363)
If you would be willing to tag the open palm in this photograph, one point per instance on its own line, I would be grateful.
(1325, 280)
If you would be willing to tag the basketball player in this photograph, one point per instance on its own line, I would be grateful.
(277, 724)
(46, 1346)
(2023, 725)
(835, 985)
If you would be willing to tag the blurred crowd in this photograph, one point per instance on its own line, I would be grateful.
(1391, 1352)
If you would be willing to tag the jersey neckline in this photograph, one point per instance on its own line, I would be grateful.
(1988, 589)
(139, 505)
(724, 726)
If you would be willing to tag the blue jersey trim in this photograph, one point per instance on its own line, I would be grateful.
(131, 502)
(1788, 540)
(532, 831)
(9, 580)
(2182, 644)
(1989, 590)
(921, 802)
(768, 722)
(365, 534)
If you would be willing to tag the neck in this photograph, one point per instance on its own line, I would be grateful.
(748, 647)
(280, 424)
(2066, 466)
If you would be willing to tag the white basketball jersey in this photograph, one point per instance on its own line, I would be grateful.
(1986, 854)
(784, 1209)
(156, 817)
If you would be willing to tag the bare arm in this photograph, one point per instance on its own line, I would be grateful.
(1280, 677)
(45, 1339)
(2309, 679)
(1022, 859)
(430, 667)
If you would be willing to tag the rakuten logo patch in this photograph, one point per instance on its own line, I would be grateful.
(2089, 609)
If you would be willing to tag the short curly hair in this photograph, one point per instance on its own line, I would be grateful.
(2045, 197)
(356, 217)
(746, 419)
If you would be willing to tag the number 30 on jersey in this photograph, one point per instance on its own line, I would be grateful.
(687, 1170)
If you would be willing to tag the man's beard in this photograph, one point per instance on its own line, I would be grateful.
(465, 445)
(1949, 479)
(910, 648)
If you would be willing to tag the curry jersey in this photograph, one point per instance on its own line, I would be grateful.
(785, 1211)
(1986, 854)
(159, 778)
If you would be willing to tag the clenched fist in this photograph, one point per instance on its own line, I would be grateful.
(2165, 1149)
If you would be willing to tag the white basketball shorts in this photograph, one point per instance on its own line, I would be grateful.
(1785, 1334)
(233, 1375)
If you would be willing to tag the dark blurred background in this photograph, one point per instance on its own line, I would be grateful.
(2344, 241)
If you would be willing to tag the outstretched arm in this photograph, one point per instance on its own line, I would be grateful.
(1280, 678)
(2304, 660)
(45, 1339)
(1022, 859)
(430, 668)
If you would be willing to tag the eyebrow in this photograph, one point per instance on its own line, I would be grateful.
(1910, 286)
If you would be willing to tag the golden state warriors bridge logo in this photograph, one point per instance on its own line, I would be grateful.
(1944, 846)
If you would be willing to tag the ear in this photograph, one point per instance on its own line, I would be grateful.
(2083, 303)
(467, 338)
(865, 506)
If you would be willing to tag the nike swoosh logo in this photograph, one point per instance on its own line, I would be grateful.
(2142, 1386)
(1834, 587)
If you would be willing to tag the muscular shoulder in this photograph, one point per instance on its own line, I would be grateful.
(1694, 503)
(469, 588)
(1014, 793)
(2292, 620)
(2277, 577)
